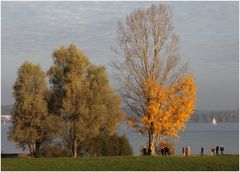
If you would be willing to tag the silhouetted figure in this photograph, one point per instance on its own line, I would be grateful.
(217, 150)
(144, 151)
(186, 150)
(201, 150)
(149, 151)
(168, 151)
(183, 150)
(162, 151)
(213, 150)
(222, 149)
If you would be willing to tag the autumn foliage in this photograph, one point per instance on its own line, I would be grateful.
(155, 84)
(167, 109)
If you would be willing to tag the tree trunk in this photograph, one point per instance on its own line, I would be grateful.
(151, 144)
(30, 146)
(34, 150)
(37, 148)
(74, 148)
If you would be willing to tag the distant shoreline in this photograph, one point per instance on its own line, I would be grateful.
(199, 116)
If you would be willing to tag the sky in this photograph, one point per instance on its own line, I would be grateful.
(209, 41)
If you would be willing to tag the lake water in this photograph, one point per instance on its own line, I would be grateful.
(196, 135)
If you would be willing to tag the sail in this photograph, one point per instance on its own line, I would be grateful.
(214, 121)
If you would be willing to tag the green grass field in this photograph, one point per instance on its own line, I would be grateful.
(130, 163)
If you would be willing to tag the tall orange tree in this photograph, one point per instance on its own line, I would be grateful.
(167, 110)
(156, 86)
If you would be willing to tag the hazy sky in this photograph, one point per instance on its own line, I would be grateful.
(208, 33)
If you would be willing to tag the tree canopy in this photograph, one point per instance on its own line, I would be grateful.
(155, 85)
(30, 108)
(84, 98)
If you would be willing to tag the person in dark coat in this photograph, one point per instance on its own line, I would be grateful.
(144, 151)
(165, 150)
(186, 151)
(162, 151)
(217, 150)
(222, 149)
(201, 150)
(213, 150)
(149, 151)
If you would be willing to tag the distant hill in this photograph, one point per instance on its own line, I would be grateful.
(220, 116)
(197, 117)
(202, 116)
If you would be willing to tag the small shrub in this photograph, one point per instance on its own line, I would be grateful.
(53, 151)
(106, 145)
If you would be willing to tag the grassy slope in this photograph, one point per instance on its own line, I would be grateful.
(193, 163)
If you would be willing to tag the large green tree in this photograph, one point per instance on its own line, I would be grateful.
(82, 96)
(30, 108)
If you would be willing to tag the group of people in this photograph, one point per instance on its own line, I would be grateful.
(146, 151)
(214, 150)
(165, 151)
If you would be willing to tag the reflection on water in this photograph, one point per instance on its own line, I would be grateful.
(196, 135)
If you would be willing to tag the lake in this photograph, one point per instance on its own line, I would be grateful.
(196, 135)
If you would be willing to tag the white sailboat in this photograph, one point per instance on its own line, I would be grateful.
(214, 121)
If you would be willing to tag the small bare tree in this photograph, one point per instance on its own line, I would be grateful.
(149, 47)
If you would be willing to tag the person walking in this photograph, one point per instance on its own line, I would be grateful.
(161, 149)
(202, 151)
(217, 150)
(144, 151)
(213, 150)
(189, 150)
(165, 150)
(222, 149)
(149, 151)
(186, 150)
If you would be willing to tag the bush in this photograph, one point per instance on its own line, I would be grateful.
(53, 151)
(106, 145)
